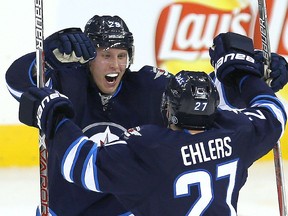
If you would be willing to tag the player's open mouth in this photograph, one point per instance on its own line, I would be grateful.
(111, 78)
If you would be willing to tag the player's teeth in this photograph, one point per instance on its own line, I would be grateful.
(112, 75)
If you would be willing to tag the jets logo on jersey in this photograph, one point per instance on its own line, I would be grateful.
(103, 132)
(159, 72)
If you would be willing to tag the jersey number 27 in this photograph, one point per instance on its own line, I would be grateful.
(203, 179)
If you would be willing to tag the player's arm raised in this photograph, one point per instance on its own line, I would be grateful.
(234, 60)
(68, 46)
(63, 49)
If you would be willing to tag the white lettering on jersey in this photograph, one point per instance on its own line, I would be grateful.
(217, 148)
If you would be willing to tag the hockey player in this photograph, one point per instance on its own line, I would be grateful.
(107, 97)
(195, 167)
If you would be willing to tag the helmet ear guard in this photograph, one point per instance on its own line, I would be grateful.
(191, 100)
(110, 32)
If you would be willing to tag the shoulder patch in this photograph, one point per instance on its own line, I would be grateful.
(160, 72)
(132, 131)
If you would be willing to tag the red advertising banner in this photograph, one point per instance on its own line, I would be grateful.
(185, 29)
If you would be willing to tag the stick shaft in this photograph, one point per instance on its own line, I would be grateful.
(264, 35)
(39, 36)
(43, 156)
(280, 181)
(278, 162)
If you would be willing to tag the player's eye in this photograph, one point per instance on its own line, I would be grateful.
(122, 56)
(106, 56)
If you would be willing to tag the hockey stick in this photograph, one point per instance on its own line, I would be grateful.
(278, 163)
(43, 156)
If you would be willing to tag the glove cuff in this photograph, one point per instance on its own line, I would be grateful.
(231, 67)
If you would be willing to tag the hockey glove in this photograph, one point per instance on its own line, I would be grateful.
(68, 46)
(44, 108)
(279, 69)
(232, 56)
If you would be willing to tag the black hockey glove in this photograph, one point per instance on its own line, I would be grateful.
(232, 56)
(279, 69)
(68, 46)
(44, 108)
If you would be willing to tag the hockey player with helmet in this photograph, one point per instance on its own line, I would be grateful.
(197, 166)
(106, 96)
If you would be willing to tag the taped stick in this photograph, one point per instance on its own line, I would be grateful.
(278, 162)
(43, 155)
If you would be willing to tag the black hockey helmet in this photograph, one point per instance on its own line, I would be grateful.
(110, 32)
(191, 99)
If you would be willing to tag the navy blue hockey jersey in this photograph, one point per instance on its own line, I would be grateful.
(137, 101)
(156, 171)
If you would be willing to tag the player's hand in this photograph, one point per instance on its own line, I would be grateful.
(44, 108)
(68, 46)
(278, 67)
(232, 56)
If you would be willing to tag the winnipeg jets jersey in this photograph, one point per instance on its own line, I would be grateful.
(103, 119)
(155, 171)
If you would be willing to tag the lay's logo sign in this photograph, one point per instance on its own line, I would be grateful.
(185, 30)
